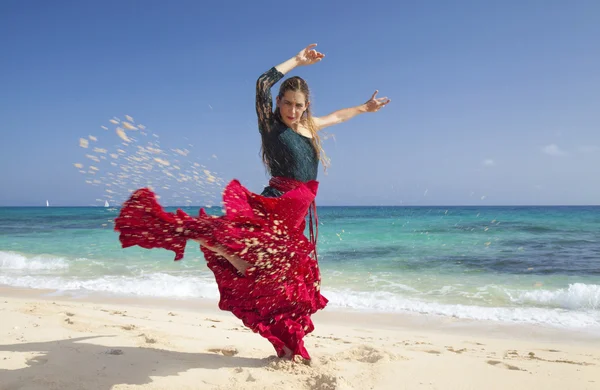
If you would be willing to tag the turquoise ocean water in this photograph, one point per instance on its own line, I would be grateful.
(538, 265)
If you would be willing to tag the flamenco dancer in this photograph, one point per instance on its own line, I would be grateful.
(265, 267)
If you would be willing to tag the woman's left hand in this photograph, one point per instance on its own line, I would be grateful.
(374, 105)
(309, 55)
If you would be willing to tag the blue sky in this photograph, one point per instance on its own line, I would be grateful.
(491, 103)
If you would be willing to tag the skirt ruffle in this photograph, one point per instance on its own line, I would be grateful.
(280, 291)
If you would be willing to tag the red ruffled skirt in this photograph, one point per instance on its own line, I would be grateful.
(281, 289)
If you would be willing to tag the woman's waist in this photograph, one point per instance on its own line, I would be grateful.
(285, 183)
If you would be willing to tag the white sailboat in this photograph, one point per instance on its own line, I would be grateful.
(106, 203)
(47, 203)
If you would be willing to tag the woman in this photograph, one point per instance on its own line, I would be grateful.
(265, 267)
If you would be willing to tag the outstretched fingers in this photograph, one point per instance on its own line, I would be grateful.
(311, 54)
(378, 103)
(381, 102)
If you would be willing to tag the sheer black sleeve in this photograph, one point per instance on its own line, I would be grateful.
(264, 100)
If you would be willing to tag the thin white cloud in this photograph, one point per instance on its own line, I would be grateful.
(589, 149)
(489, 162)
(553, 150)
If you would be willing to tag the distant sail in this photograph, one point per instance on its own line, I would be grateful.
(106, 203)
(47, 204)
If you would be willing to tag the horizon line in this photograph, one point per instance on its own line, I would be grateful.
(326, 205)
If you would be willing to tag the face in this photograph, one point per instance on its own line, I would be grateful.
(292, 106)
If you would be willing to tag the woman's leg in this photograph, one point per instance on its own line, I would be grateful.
(236, 261)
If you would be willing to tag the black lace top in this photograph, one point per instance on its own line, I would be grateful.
(289, 154)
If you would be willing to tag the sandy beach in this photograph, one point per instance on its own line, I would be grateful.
(61, 342)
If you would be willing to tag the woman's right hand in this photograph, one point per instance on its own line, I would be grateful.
(309, 56)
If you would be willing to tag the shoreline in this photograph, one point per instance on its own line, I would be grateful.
(51, 341)
(331, 316)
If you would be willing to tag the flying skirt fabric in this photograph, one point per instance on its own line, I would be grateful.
(279, 292)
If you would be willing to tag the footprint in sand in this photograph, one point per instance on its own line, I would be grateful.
(226, 351)
(474, 342)
(532, 356)
(38, 360)
(511, 353)
(409, 342)
(128, 327)
(459, 351)
(433, 352)
(211, 320)
(322, 382)
(365, 354)
(149, 338)
(507, 366)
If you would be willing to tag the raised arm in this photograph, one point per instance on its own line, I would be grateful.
(339, 116)
(264, 100)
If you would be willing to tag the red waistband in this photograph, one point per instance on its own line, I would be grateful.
(285, 184)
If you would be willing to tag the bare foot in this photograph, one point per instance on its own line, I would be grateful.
(288, 353)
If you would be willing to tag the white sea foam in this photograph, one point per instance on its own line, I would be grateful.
(575, 306)
(388, 302)
(576, 296)
(149, 285)
(15, 261)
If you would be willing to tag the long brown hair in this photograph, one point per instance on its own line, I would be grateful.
(298, 84)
